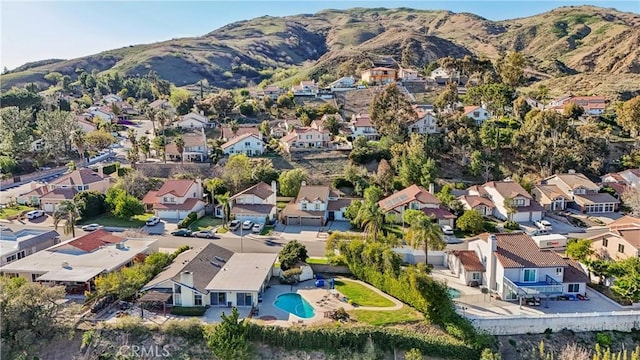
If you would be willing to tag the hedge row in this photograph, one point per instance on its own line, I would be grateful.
(190, 219)
(188, 311)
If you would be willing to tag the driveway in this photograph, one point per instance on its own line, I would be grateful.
(558, 227)
(300, 233)
(157, 229)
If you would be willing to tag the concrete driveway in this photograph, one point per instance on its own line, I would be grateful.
(157, 229)
(300, 233)
(558, 227)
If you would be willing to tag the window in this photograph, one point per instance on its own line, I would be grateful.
(475, 276)
(247, 144)
(574, 288)
(529, 275)
(317, 206)
(34, 277)
(303, 206)
(605, 242)
(476, 114)
(219, 298)
(177, 289)
(21, 254)
(244, 299)
(620, 248)
(519, 202)
(11, 258)
(559, 271)
(309, 137)
(197, 299)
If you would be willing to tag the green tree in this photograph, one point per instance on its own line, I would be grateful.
(55, 128)
(97, 140)
(237, 172)
(628, 115)
(215, 186)
(573, 111)
(15, 133)
(182, 100)
(285, 101)
(126, 206)
(426, 233)
(267, 102)
(371, 219)
(78, 140)
(520, 108)
(90, 203)
(228, 339)
(509, 205)
(481, 164)
(292, 253)
(471, 221)
(391, 111)
(234, 126)
(265, 128)
(291, 180)
(179, 141)
(145, 146)
(384, 176)
(151, 114)
(222, 103)
(332, 124)
(164, 118)
(510, 67)
(448, 97)
(413, 354)
(223, 201)
(487, 354)
(579, 249)
(69, 212)
(53, 77)
(21, 98)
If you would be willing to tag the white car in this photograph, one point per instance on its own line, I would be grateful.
(92, 227)
(447, 230)
(153, 221)
(34, 214)
(247, 225)
(543, 225)
(257, 228)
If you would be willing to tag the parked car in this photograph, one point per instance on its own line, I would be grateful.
(247, 225)
(539, 232)
(543, 225)
(447, 230)
(92, 227)
(34, 214)
(182, 232)
(257, 228)
(153, 221)
(234, 225)
(207, 234)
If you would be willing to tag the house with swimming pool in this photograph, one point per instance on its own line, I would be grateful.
(212, 275)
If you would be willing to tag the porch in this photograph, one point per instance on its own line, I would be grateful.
(514, 290)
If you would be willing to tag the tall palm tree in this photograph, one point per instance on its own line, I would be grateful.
(234, 127)
(131, 136)
(223, 200)
(163, 119)
(425, 232)
(133, 156)
(77, 138)
(151, 114)
(68, 211)
(179, 141)
(145, 146)
(371, 218)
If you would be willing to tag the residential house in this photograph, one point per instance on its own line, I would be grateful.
(406, 74)
(195, 147)
(315, 205)
(176, 199)
(318, 124)
(477, 113)
(227, 134)
(629, 177)
(15, 245)
(592, 105)
(279, 130)
(621, 241)
(304, 138)
(514, 267)
(102, 113)
(361, 125)
(32, 197)
(526, 210)
(416, 197)
(66, 187)
(86, 125)
(345, 83)
(425, 122)
(193, 121)
(111, 98)
(481, 204)
(550, 197)
(582, 194)
(126, 109)
(305, 88)
(248, 144)
(255, 204)
(160, 104)
(271, 91)
(442, 76)
(379, 76)
(77, 262)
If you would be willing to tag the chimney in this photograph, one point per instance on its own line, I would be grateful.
(431, 188)
(186, 278)
(491, 262)
(100, 171)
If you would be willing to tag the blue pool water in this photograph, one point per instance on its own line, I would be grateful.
(294, 303)
(453, 293)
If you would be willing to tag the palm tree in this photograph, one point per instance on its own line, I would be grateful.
(145, 146)
(131, 136)
(223, 200)
(151, 114)
(133, 156)
(371, 218)
(234, 127)
(425, 232)
(180, 146)
(68, 211)
(163, 119)
(77, 138)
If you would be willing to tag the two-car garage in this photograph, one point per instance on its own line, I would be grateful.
(304, 220)
(291, 215)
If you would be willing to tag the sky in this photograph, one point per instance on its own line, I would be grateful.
(37, 30)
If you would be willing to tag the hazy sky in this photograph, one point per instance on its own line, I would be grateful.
(34, 30)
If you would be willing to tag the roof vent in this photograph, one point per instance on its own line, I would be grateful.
(220, 259)
(65, 264)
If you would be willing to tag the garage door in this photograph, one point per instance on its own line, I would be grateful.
(311, 221)
(291, 220)
(521, 217)
(252, 218)
(48, 208)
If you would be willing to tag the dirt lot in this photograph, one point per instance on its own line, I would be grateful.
(322, 166)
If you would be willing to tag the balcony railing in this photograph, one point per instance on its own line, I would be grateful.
(544, 288)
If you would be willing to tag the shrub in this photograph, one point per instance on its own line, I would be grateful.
(188, 311)
(191, 329)
(511, 225)
(603, 339)
(109, 169)
(133, 325)
(186, 222)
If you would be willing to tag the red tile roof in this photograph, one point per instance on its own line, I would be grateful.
(177, 188)
(94, 240)
(469, 260)
(412, 193)
(228, 134)
(625, 222)
(261, 190)
(438, 213)
(60, 194)
(150, 198)
(361, 119)
(474, 200)
(469, 109)
(80, 177)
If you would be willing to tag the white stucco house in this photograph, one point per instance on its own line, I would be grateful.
(361, 125)
(477, 113)
(425, 122)
(192, 121)
(254, 204)
(248, 144)
(176, 199)
(527, 209)
(416, 197)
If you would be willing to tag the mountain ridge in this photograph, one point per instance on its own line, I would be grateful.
(564, 41)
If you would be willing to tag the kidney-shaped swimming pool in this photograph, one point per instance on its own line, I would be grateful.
(294, 303)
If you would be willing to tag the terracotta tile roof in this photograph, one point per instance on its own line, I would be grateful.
(438, 213)
(632, 236)
(381, 68)
(238, 139)
(615, 176)
(474, 201)
(313, 192)
(188, 204)
(175, 187)
(478, 189)
(60, 194)
(261, 190)
(150, 198)
(79, 177)
(518, 250)
(228, 134)
(470, 109)
(412, 193)
(94, 240)
(508, 189)
(469, 260)
(573, 273)
(361, 120)
(302, 130)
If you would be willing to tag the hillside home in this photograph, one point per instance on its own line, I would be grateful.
(425, 122)
(77, 262)
(15, 245)
(226, 133)
(254, 204)
(248, 144)
(85, 124)
(379, 76)
(305, 138)
(345, 83)
(481, 204)
(514, 267)
(315, 205)
(477, 113)
(111, 98)
(160, 104)
(550, 197)
(417, 198)
(66, 187)
(582, 194)
(442, 76)
(592, 105)
(305, 88)
(408, 74)
(195, 147)
(629, 177)
(192, 121)
(213, 276)
(621, 241)
(271, 91)
(176, 199)
(103, 114)
(526, 210)
(361, 125)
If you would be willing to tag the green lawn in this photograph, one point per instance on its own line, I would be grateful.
(205, 222)
(281, 204)
(320, 261)
(267, 230)
(361, 294)
(14, 211)
(111, 221)
(385, 318)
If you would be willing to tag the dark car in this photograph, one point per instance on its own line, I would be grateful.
(182, 232)
(208, 234)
